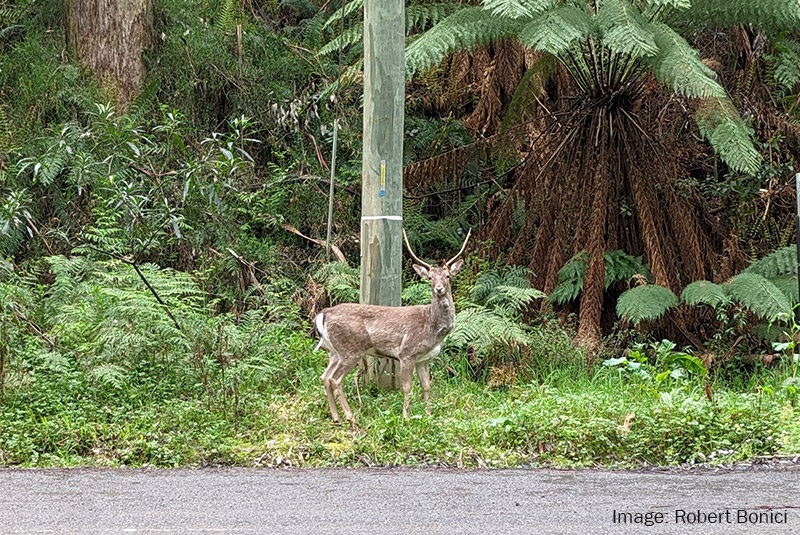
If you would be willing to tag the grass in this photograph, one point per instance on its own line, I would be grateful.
(121, 386)
(601, 420)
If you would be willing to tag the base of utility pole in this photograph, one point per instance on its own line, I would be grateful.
(381, 283)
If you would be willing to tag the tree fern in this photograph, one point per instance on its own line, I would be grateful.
(778, 263)
(719, 122)
(619, 267)
(463, 30)
(647, 302)
(761, 297)
(677, 65)
(625, 30)
(705, 293)
(774, 15)
(556, 31)
(785, 63)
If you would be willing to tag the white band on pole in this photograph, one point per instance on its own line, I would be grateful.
(376, 217)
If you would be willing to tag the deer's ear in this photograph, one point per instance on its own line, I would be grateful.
(456, 267)
(421, 271)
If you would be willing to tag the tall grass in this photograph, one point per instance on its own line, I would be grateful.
(108, 380)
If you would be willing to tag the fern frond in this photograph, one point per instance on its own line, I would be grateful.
(343, 12)
(570, 280)
(787, 284)
(518, 9)
(705, 293)
(648, 302)
(625, 30)
(557, 30)
(761, 297)
(774, 15)
(524, 106)
(677, 65)
(418, 293)
(719, 122)
(776, 264)
(225, 16)
(463, 30)
(785, 63)
(352, 35)
(422, 16)
(622, 267)
(483, 330)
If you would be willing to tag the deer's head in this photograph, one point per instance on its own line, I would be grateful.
(438, 276)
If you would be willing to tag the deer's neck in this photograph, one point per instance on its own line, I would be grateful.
(443, 315)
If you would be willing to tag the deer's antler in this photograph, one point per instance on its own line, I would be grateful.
(408, 245)
(464, 246)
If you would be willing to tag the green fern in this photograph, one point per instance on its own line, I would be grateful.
(625, 30)
(341, 282)
(225, 19)
(556, 31)
(776, 264)
(484, 331)
(785, 63)
(677, 65)
(774, 15)
(463, 30)
(645, 303)
(706, 293)
(619, 267)
(761, 296)
(719, 122)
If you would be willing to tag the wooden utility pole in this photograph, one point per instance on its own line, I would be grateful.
(382, 166)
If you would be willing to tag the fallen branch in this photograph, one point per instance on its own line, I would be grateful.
(335, 250)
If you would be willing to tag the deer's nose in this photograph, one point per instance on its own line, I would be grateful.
(439, 289)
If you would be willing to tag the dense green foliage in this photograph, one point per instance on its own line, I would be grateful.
(156, 297)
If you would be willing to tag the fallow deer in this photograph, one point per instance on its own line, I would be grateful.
(411, 335)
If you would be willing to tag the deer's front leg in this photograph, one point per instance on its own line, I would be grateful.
(424, 373)
(406, 378)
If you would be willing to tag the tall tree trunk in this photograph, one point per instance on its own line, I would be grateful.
(108, 36)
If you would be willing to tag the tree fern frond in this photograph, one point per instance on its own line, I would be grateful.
(482, 330)
(776, 264)
(421, 16)
(719, 122)
(761, 297)
(352, 35)
(463, 30)
(622, 267)
(625, 30)
(517, 9)
(774, 15)
(677, 65)
(705, 293)
(557, 30)
(523, 104)
(570, 280)
(785, 63)
(787, 284)
(648, 302)
(343, 12)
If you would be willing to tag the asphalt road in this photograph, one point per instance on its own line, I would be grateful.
(401, 501)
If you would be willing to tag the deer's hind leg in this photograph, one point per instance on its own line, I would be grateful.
(333, 362)
(344, 364)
